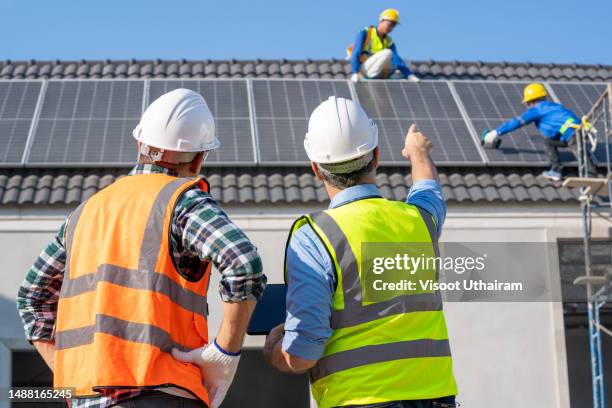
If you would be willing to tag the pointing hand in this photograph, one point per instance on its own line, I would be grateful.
(415, 143)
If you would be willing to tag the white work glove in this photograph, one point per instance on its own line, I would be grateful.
(355, 78)
(413, 78)
(217, 366)
(491, 137)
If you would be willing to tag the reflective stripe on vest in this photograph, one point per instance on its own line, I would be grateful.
(345, 360)
(567, 125)
(354, 311)
(122, 311)
(392, 350)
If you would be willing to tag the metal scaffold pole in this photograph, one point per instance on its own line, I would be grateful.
(598, 285)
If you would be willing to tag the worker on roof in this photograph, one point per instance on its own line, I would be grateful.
(555, 122)
(116, 303)
(362, 347)
(374, 54)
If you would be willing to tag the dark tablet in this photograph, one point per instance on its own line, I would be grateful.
(270, 310)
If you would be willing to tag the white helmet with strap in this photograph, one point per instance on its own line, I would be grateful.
(340, 131)
(175, 127)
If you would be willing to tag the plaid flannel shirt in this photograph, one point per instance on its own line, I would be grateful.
(200, 229)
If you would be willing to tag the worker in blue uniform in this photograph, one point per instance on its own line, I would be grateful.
(554, 121)
(374, 54)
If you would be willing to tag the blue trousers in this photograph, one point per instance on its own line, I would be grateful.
(445, 402)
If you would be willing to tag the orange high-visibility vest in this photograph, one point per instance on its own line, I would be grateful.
(123, 304)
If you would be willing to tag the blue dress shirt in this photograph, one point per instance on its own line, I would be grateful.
(311, 273)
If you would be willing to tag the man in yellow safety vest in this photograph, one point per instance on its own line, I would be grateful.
(361, 346)
(374, 54)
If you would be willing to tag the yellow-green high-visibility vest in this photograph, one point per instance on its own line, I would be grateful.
(391, 350)
(373, 43)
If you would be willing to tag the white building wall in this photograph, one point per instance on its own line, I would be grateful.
(505, 354)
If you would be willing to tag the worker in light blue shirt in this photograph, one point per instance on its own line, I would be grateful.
(308, 311)
(553, 120)
(374, 54)
(342, 144)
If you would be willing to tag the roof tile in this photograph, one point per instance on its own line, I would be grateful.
(291, 185)
(449, 193)
(506, 194)
(43, 189)
(535, 193)
(520, 193)
(461, 194)
(476, 193)
(491, 193)
(230, 188)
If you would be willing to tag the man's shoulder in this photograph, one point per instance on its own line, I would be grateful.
(305, 247)
(197, 192)
(550, 105)
(195, 199)
(302, 234)
(301, 227)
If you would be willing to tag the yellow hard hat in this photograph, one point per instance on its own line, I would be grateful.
(390, 14)
(534, 91)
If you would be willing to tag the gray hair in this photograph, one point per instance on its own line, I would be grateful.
(335, 173)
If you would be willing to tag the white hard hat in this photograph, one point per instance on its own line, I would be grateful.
(178, 121)
(339, 130)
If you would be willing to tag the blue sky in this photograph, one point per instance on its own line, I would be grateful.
(511, 30)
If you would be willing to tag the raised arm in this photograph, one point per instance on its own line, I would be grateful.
(425, 192)
(513, 124)
(417, 148)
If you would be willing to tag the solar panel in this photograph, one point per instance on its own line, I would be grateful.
(228, 100)
(282, 109)
(88, 123)
(580, 98)
(488, 105)
(18, 101)
(394, 106)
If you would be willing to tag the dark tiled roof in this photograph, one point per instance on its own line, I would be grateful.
(292, 186)
(332, 68)
(288, 185)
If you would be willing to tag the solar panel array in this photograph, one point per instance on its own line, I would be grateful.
(84, 123)
(395, 106)
(282, 109)
(87, 123)
(229, 102)
(18, 101)
(580, 98)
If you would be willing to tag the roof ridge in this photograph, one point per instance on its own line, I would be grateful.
(502, 63)
(294, 68)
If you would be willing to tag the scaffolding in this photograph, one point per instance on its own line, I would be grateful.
(595, 196)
